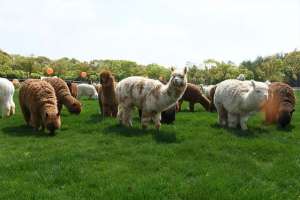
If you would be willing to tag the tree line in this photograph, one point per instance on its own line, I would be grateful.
(283, 67)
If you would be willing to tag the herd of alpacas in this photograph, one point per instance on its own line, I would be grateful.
(235, 100)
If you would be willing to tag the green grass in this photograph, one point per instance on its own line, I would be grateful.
(91, 158)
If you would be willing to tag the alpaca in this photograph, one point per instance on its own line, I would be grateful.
(151, 96)
(86, 90)
(73, 88)
(236, 100)
(7, 105)
(194, 95)
(207, 89)
(39, 105)
(212, 91)
(64, 96)
(280, 105)
(107, 96)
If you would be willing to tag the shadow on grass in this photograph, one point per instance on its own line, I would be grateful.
(288, 128)
(160, 136)
(250, 133)
(95, 118)
(23, 131)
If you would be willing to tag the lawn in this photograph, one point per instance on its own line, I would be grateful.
(95, 158)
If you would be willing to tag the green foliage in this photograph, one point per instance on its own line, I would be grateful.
(277, 67)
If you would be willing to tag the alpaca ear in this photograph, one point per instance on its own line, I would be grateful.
(172, 69)
(47, 115)
(292, 111)
(268, 82)
(253, 83)
(185, 70)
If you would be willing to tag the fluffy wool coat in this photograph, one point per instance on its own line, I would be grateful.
(194, 95)
(280, 105)
(107, 95)
(151, 96)
(88, 90)
(236, 100)
(64, 96)
(7, 105)
(39, 105)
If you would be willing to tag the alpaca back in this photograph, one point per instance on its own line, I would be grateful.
(36, 94)
(84, 89)
(239, 96)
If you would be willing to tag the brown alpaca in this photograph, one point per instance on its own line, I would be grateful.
(39, 105)
(280, 105)
(107, 95)
(73, 88)
(193, 95)
(64, 96)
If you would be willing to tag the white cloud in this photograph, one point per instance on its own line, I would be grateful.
(168, 32)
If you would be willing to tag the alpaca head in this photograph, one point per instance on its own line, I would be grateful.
(285, 116)
(178, 77)
(51, 121)
(106, 78)
(259, 93)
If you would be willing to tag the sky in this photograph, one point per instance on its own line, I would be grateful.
(166, 32)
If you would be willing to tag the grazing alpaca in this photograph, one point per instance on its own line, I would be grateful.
(107, 95)
(151, 96)
(73, 88)
(86, 90)
(64, 96)
(206, 90)
(7, 105)
(236, 100)
(193, 95)
(39, 105)
(280, 105)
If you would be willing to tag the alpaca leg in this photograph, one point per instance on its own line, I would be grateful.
(26, 113)
(59, 107)
(192, 106)
(106, 110)
(222, 114)
(5, 110)
(34, 122)
(120, 113)
(179, 105)
(114, 110)
(156, 119)
(243, 121)
(127, 116)
(146, 118)
(12, 107)
(232, 120)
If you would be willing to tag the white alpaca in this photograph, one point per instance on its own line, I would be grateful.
(150, 96)
(87, 90)
(7, 105)
(236, 100)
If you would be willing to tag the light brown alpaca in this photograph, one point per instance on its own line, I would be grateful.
(39, 105)
(107, 95)
(64, 96)
(72, 88)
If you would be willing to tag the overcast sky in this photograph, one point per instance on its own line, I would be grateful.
(167, 32)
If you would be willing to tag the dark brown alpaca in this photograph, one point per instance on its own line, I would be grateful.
(193, 95)
(281, 104)
(64, 96)
(107, 96)
(39, 105)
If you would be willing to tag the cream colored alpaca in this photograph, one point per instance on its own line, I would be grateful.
(150, 96)
(236, 100)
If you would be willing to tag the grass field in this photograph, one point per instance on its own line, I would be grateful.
(94, 158)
